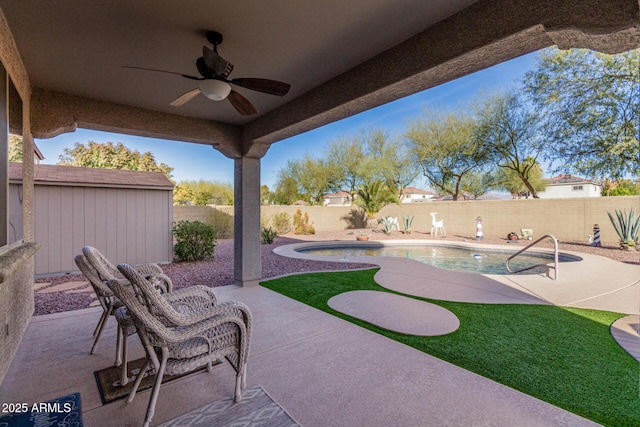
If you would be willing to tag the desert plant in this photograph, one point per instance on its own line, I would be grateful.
(627, 225)
(195, 240)
(265, 221)
(362, 236)
(372, 197)
(268, 235)
(388, 224)
(301, 223)
(408, 222)
(281, 222)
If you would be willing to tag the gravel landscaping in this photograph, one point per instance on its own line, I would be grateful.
(51, 298)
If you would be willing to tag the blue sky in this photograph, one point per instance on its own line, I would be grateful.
(196, 161)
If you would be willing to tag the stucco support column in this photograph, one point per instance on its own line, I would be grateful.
(247, 265)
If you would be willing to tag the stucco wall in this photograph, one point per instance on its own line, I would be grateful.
(16, 299)
(16, 265)
(567, 219)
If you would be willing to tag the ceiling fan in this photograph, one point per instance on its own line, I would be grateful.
(214, 83)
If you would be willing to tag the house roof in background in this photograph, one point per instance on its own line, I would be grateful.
(414, 190)
(565, 178)
(93, 177)
(338, 194)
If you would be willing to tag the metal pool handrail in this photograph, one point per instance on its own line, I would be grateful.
(547, 266)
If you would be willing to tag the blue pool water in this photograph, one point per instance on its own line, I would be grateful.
(447, 257)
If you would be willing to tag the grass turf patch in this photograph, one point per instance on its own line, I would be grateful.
(564, 356)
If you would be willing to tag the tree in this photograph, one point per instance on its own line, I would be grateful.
(266, 195)
(313, 177)
(510, 180)
(477, 183)
(590, 110)
(373, 196)
(443, 144)
(111, 156)
(347, 157)
(400, 169)
(286, 191)
(182, 195)
(15, 148)
(621, 187)
(368, 156)
(203, 192)
(508, 130)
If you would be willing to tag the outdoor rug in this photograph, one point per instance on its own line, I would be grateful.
(108, 380)
(256, 409)
(63, 411)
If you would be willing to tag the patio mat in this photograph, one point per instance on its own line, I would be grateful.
(63, 411)
(256, 409)
(108, 380)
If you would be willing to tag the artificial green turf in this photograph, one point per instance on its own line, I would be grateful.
(564, 356)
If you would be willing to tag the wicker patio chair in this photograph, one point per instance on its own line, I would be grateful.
(181, 334)
(107, 271)
(109, 303)
(97, 268)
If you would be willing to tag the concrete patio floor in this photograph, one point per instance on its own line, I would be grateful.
(323, 370)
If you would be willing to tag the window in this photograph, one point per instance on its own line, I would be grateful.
(10, 198)
(4, 159)
(577, 188)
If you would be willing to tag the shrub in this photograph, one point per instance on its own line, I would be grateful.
(281, 222)
(301, 223)
(221, 219)
(268, 235)
(195, 240)
(265, 221)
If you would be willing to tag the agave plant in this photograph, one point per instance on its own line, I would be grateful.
(408, 222)
(389, 223)
(627, 225)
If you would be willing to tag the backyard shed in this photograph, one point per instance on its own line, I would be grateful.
(127, 215)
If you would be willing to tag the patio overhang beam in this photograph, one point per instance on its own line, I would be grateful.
(485, 34)
(54, 113)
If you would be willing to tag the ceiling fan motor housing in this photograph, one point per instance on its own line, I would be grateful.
(223, 67)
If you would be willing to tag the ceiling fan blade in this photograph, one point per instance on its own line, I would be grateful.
(164, 71)
(185, 97)
(241, 104)
(272, 87)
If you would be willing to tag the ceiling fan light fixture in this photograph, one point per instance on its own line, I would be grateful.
(215, 89)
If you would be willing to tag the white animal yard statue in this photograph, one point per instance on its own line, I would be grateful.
(437, 225)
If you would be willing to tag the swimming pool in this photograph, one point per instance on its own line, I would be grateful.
(455, 258)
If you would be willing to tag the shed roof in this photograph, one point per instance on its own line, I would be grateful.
(94, 177)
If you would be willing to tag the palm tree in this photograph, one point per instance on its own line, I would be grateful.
(372, 197)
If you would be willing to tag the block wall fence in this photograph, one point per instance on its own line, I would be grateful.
(567, 219)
